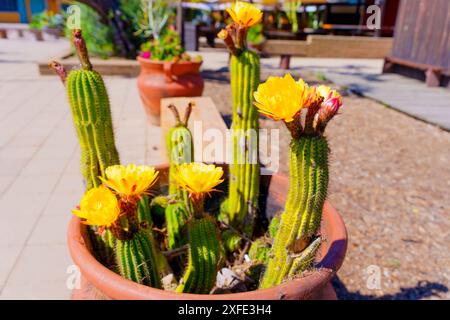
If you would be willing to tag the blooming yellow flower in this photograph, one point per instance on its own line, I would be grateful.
(245, 14)
(98, 207)
(198, 178)
(130, 180)
(281, 98)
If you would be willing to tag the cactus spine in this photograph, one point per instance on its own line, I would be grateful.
(137, 259)
(244, 170)
(204, 256)
(303, 211)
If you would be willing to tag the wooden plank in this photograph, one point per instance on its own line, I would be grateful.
(286, 47)
(422, 32)
(322, 46)
(205, 123)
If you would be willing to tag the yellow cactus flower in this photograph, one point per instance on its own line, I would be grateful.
(130, 180)
(198, 178)
(98, 207)
(281, 98)
(245, 14)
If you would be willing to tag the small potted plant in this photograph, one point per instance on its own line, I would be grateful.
(47, 22)
(178, 230)
(167, 70)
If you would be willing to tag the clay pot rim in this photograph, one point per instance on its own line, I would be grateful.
(159, 62)
(116, 287)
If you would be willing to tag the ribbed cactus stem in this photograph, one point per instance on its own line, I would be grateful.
(137, 259)
(180, 149)
(176, 218)
(244, 169)
(91, 115)
(204, 257)
(305, 258)
(143, 212)
(301, 218)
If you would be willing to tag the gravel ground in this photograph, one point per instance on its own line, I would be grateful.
(390, 180)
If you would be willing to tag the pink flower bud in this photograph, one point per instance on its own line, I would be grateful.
(329, 108)
(146, 54)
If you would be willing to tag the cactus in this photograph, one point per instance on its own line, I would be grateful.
(303, 211)
(137, 259)
(283, 98)
(176, 218)
(231, 240)
(305, 259)
(274, 226)
(158, 208)
(204, 257)
(259, 250)
(144, 213)
(245, 75)
(180, 148)
(91, 114)
(244, 170)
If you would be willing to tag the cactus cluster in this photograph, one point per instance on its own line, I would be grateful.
(150, 236)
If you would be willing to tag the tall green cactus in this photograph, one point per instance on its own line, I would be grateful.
(244, 170)
(205, 254)
(180, 148)
(176, 218)
(301, 219)
(137, 259)
(91, 116)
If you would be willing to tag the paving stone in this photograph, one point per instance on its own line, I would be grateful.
(40, 273)
(8, 256)
(50, 229)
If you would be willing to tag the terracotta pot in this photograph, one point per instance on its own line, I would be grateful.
(98, 282)
(163, 79)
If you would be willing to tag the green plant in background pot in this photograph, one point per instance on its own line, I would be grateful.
(167, 70)
(47, 20)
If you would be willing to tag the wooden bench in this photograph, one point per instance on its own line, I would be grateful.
(323, 46)
(285, 49)
(432, 73)
(204, 123)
